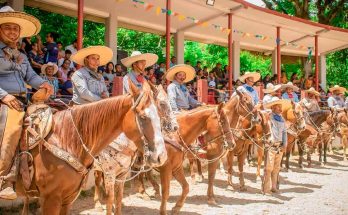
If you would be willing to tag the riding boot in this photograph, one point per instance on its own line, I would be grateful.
(274, 177)
(267, 182)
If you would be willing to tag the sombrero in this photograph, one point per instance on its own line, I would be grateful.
(270, 88)
(105, 54)
(254, 75)
(187, 69)
(290, 85)
(286, 103)
(337, 87)
(312, 91)
(150, 59)
(55, 68)
(29, 24)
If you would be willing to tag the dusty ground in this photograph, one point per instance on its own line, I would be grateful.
(316, 190)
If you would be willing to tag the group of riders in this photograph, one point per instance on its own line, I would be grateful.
(89, 86)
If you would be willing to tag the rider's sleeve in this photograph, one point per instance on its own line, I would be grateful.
(3, 93)
(172, 97)
(31, 77)
(80, 84)
(285, 136)
(192, 102)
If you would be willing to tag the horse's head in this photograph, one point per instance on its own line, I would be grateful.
(164, 108)
(300, 122)
(334, 120)
(246, 106)
(148, 123)
(218, 127)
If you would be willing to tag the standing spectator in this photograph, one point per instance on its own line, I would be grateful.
(63, 71)
(67, 55)
(72, 47)
(35, 59)
(218, 72)
(289, 93)
(119, 70)
(172, 61)
(61, 52)
(198, 66)
(50, 48)
(48, 71)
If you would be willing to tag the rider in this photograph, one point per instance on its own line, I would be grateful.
(137, 62)
(336, 100)
(178, 95)
(88, 85)
(310, 102)
(277, 148)
(249, 78)
(289, 93)
(15, 73)
(271, 91)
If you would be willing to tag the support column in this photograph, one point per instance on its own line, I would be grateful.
(230, 54)
(168, 34)
(80, 24)
(111, 34)
(278, 55)
(323, 71)
(316, 63)
(17, 5)
(179, 46)
(236, 59)
(274, 61)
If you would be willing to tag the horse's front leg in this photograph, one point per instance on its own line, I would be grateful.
(98, 177)
(192, 168)
(154, 183)
(110, 193)
(211, 176)
(241, 159)
(65, 209)
(259, 162)
(119, 187)
(199, 170)
(166, 176)
(300, 152)
(230, 156)
(180, 177)
(52, 205)
(325, 151)
(25, 210)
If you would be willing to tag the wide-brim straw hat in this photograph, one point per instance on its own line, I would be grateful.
(150, 59)
(187, 69)
(105, 54)
(286, 103)
(337, 87)
(28, 24)
(254, 75)
(270, 88)
(312, 91)
(55, 68)
(290, 85)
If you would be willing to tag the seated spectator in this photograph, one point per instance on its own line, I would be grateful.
(205, 70)
(67, 87)
(225, 72)
(28, 44)
(61, 52)
(153, 80)
(198, 66)
(295, 80)
(212, 79)
(72, 47)
(63, 71)
(283, 78)
(159, 72)
(109, 72)
(289, 92)
(119, 70)
(172, 61)
(218, 71)
(258, 84)
(150, 73)
(266, 80)
(274, 79)
(48, 71)
(309, 82)
(67, 55)
(35, 58)
(200, 74)
(187, 62)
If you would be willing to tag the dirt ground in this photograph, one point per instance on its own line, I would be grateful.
(316, 190)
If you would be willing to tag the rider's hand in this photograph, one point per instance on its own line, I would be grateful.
(12, 102)
(49, 89)
(104, 95)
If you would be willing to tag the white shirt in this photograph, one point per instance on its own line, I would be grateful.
(71, 48)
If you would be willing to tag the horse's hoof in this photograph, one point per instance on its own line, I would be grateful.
(322, 164)
(175, 210)
(200, 179)
(230, 187)
(242, 188)
(98, 207)
(212, 202)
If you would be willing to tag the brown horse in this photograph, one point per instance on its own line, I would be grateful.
(82, 132)
(255, 132)
(118, 162)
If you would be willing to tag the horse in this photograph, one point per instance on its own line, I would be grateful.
(63, 159)
(118, 162)
(254, 132)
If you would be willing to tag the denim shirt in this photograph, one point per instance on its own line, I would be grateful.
(13, 76)
(294, 99)
(86, 87)
(278, 129)
(133, 77)
(180, 99)
(335, 102)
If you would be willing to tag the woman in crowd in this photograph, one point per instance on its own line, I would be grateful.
(36, 60)
(63, 71)
(48, 71)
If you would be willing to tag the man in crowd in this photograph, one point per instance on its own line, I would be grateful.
(72, 47)
(67, 56)
(310, 102)
(172, 61)
(336, 98)
(290, 92)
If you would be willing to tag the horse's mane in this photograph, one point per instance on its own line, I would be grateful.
(91, 120)
(318, 117)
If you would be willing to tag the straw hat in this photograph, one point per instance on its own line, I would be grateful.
(312, 91)
(55, 68)
(270, 88)
(286, 103)
(187, 69)
(29, 24)
(254, 75)
(105, 54)
(150, 58)
(290, 85)
(337, 87)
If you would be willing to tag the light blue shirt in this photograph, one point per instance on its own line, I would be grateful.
(335, 102)
(179, 97)
(267, 98)
(133, 77)
(294, 99)
(278, 129)
(252, 92)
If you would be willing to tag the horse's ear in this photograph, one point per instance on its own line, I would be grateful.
(133, 90)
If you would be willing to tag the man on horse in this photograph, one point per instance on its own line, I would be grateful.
(290, 92)
(275, 151)
(89, 85)
(15, 73)
(249, 78)
(310, 102)
(271, 91)
(138, 62)
(178, 95)
(336, 99)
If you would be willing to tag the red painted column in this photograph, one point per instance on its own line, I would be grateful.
(316, 63)
(168, 34)
(278, 55)
(230, 54)
(80, 24)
